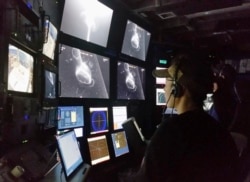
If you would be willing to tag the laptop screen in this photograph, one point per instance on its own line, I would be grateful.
(69, 152)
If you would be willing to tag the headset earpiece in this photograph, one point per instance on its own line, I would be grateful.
(177, 90)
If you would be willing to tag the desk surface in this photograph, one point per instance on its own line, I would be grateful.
(57, 174)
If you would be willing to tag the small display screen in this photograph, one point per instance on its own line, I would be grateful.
(50, 84)
(70, 117)
(130, 81)
(160, 97)
(120, 143)
(119, 116)
(98, 149)
(50, 39)
(99, 119)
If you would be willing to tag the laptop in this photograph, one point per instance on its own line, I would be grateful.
(72, 161)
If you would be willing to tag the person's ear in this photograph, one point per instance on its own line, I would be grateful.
(215, 86)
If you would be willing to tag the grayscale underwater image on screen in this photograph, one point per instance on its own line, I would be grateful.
(130, 81)
(83, 74)
(135, 41)
(88, 20)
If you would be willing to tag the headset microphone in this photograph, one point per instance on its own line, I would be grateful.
(164, 109)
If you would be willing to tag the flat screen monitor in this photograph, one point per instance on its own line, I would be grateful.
(49, 85)
(135, 41)
(98, 149)
(70, 154)
(50, 38)
(160, 81)
(130, 81)
(20, 70)
(83, 74)
(99, 121)
(70, 117)
(119, 116)
(160, 97)
(89, 20)
(120, 144)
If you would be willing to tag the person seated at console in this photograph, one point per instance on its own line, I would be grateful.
(190, 146)
(224, 99)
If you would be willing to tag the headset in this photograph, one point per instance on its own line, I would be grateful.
(177, 89)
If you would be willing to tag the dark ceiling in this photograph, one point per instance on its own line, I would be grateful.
(207, 24)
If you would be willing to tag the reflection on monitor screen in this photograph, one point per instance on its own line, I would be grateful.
(98, 119)
(120, 143)
(160, 80)
(89, 20)
(98, 149)
(70, 117)
(135, 41)
(50, 85)
(130, 81)
(50, 39)
(160, 97)
(20, 70)
(69, 152)
(119, 116)
(83, 74)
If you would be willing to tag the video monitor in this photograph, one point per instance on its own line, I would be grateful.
(119, 116)
(69, 152)
(89, 20)
(160, 81)
(20, 70)
(83, 74)
(70, 117)
(131, 81)
(135, 41)
(99, 121)
(49, 85)
(160, 97)
(98, 149)
(120, 144)
(50, 38)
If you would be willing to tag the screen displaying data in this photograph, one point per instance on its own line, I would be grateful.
(98, 149)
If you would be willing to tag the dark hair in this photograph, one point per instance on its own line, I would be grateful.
(197, 75)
